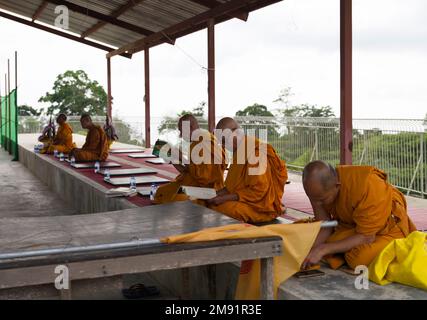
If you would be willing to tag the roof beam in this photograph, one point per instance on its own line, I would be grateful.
(59, 33)
(219, 14)
(102, 17)
(39, 10)
(214, 3)
(115, 14)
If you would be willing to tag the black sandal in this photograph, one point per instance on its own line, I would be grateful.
(139, 290)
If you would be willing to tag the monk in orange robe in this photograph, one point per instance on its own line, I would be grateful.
(96, 145)
(63, 139)
(256, 178)
(205, 167)
(369, 210)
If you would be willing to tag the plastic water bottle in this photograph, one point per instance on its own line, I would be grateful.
(61, 157)
(97, 166)
(153, 191)
(73, 160)
(107, 175)
(55, 153)
(132, 183)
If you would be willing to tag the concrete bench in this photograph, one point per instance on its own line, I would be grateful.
(338, 285)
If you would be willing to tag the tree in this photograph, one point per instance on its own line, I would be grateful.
(26, 111)
(308, 111)
(29, 119)
(171, 123)
(255, 117)
(74, 93)
(255, 110)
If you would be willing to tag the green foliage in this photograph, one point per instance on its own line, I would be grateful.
(26, 110)
(171, 123)
(308, 111)
(74, 93)
(254, 110)
(260, 117)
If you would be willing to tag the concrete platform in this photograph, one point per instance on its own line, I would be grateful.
(338, 285)
(85, 195)
(23, 195)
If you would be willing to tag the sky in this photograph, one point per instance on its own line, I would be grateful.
(294, 43)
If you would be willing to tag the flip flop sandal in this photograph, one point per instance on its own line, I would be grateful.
(139, 290)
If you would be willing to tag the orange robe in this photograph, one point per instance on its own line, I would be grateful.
(95, 147)
(260, 195)
(63, 141)
(367, 204)
(206, 175)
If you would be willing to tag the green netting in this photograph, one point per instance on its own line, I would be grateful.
(9, 124)
(14, 125)
(2, 119)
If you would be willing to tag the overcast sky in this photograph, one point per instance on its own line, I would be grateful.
(293, 43)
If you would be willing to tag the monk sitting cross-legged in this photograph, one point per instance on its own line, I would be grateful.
(256, 178)
(96, 145)
(369, 210)
(204, 168)
(63, 139)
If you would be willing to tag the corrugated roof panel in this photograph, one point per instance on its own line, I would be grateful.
(77, 22)
(104, 7)
(118, 36)
(154, 15)
(24, 8)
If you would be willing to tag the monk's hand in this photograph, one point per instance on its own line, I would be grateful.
(316, 254)
(216, 201)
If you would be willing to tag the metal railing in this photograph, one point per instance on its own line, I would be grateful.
(399, 147)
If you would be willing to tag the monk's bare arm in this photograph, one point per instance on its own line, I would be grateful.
(222, 192)
(347, 244)
(319, 251)
(223, 196)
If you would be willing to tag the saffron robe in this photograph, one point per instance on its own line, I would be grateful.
(95, 147)
(260, 192)
(367, 204)
(207, 174)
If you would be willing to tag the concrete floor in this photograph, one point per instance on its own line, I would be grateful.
(24, 195)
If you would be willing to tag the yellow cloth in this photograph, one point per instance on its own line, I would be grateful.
(260, 195)
(297, 242)
(95, 147)
(367, 204)
(403, 261)
(208, 174)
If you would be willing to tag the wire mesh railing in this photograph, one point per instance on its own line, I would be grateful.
(399, 147)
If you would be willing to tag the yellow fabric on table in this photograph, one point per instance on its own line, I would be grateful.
(402, 260)
(297, 242)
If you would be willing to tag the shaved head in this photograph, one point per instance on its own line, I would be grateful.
(320, 172)
(227, 123)
(320, 180)
(188, 117)
(229, 133)
(187, 124)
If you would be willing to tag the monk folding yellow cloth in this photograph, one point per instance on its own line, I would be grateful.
(402, 260)
(297, 242)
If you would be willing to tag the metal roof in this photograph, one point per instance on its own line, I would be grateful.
(114, 24)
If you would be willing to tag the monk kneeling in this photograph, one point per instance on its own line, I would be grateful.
(96, 145)
(369, 210)
(256, 178)
(63, 139)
